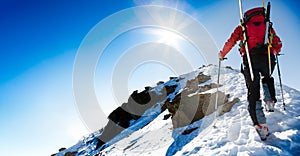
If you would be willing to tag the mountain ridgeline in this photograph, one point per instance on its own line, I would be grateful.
(167, 119)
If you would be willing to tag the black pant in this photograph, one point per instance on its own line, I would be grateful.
(260, 67)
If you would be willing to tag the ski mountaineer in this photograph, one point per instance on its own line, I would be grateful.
(255, 29)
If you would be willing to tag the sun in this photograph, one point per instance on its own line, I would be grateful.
(167, 37)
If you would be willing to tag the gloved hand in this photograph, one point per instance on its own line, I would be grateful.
(221, 57)
(275, 51)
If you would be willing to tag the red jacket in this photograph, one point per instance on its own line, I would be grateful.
(237, 35)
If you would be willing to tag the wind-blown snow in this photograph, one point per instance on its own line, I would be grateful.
(233, 134)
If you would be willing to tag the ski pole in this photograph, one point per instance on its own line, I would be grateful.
(217, 93)
(279, 75)
(218, 82)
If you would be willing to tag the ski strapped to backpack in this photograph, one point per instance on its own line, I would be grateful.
(242, 22)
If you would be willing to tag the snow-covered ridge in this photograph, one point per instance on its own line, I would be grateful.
(233, 134)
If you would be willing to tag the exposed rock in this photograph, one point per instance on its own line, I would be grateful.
(159, 83)
(187, 109)
(148, 88)
(227, 106)
(130, 145)
(229, 67)
(208, 87)
(167, 116)
(121, 117)
(171, 77)
(193, 84)
(61, 149)
(142, 97)
(70, 154)
(170, 89)
(189, 131)
(191, 105)
(202, 78)
(137, 104)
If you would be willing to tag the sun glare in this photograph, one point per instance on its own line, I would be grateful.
(168, 37)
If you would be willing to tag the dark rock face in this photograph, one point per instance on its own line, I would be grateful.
(67, 153)
(121, 117)
(160, 82)
(128, 111)
(70, 154)
(61, 149)
(188, 131)
(142, 97)
(137, 104)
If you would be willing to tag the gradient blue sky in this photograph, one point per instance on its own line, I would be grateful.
(38, 44)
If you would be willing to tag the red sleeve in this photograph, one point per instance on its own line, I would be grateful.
(235, 36)
(276, 43)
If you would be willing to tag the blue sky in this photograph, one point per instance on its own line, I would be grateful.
(39, 40)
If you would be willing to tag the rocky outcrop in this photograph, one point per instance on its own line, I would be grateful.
(137, 104)
(192, 104)
(193, 84)
(67, 153)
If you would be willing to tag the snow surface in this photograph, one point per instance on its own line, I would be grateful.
(233, 133)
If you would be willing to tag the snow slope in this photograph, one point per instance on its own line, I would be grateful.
(233, 133)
